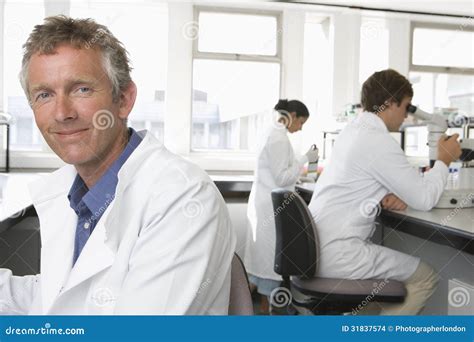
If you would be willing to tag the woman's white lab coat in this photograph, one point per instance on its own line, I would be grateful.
(276, 167)
(366, 164)
(163, 246)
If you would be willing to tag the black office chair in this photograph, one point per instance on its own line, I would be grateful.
(296, 256)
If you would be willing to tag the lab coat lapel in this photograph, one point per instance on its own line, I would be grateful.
(57, 222)
(95, 257)
(101, 247)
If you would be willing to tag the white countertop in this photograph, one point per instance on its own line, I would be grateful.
(456, 218)
(460, 219)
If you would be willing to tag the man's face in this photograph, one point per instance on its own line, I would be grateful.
(396, 114)
(71, 97)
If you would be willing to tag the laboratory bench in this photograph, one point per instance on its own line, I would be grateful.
(442, 226)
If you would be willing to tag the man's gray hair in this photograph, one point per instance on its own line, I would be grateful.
(80, 34)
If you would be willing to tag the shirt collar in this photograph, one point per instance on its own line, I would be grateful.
(371, 120)
(102, 193)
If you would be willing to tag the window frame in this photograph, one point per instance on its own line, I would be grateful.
(431, 68)
(222, 56)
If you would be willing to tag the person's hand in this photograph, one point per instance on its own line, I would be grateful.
(312, 154)
(449, 149)
(392, 202)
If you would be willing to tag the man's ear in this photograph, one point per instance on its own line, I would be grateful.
(127, 100)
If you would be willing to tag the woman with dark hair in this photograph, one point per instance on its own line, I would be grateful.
(277, 167)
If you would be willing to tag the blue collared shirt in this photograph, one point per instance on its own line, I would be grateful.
(90, 204)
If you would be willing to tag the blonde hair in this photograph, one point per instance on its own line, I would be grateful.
(80, 34)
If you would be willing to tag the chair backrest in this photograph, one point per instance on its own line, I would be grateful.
(240, 301)
(296, 248)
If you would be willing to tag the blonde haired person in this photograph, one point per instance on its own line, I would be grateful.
(126, 227)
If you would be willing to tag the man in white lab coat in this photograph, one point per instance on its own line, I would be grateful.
(127, 227)
(368, 166)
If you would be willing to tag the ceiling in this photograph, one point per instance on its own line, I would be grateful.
(455, 7)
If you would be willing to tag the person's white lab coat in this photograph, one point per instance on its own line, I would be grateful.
(366, 164)
(163, 246)
(277, 167)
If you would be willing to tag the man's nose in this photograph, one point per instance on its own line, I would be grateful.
(64, 110)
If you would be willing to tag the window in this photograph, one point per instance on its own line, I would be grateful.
(441, 77)
(440, 47)
(237, 33)
(236, 78)
(443, 80)
(20, 18)
(148, 57)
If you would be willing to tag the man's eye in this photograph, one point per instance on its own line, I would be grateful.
(84, 90)
(42, 96)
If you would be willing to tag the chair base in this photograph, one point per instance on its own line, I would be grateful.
(327, 303)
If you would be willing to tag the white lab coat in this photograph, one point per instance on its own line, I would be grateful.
(163, 246)
(276, 167)
(366, 164)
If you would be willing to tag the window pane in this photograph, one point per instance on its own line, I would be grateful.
(237, 33)
(148, 56)
(20, 18)
(228, 98)
(433, 90)
(436, 47)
